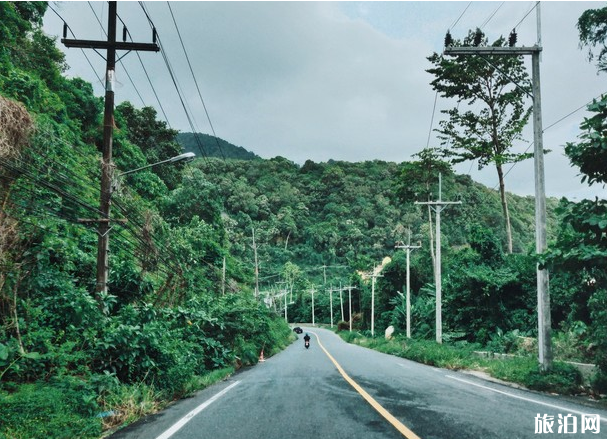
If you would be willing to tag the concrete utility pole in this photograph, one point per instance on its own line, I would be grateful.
(373, 275)
(408, 249)
(341, 301)
(107, 167)
(313, 291)
(437, 207)
(223, 277)
(331, 304)
(350, 304)
(256, 266)
(543, 291)
(286, 318)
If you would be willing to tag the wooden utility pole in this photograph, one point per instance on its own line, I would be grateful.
(107, 167)
(543, 290)
(408, 249)
(438, 207)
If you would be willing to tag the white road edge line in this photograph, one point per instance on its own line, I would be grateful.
(565, 409)
(187, 418)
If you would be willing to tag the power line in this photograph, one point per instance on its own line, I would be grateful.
(432, 119)
(461, 15)
(195, 81)
(71, 32)
(526, 15)
(175, 83)
(492, 15)
(530, 144)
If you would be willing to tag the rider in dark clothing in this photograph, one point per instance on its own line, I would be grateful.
(306, 338)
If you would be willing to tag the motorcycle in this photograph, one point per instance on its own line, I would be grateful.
(307, 343)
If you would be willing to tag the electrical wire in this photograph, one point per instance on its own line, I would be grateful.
(74, 36)
(175, 83)
(460, 16)
(196, 82)
(531, 143)
(491, 16)
(526, 15)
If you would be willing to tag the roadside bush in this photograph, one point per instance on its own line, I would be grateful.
(40, 411)
(563, 378)
(343, 326)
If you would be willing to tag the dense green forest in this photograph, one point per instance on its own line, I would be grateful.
(183, 302)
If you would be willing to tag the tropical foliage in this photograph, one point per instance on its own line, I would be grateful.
(181, 304)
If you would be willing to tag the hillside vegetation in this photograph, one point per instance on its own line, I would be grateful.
(174, 318)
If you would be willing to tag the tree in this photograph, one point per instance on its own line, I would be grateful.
(592, 26)
(499, 84)
(156, 140)
(417, 182)
(581, 246)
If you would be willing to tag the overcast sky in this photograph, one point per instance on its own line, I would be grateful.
(337, 80)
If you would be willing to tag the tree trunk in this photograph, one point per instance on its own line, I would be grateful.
(500, 174)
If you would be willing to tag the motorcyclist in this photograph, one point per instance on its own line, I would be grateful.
(306, 339)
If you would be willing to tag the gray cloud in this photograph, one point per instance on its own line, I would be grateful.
(347, 81)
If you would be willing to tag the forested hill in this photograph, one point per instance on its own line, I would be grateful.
(204, 145)
(350, 214)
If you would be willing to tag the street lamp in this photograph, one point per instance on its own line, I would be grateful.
(180, 157)
(104, 227)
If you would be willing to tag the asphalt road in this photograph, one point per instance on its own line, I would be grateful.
(301, 393)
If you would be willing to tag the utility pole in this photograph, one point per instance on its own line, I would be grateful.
(341, 301)
(256, 266)
(408, 249)
(437, 207)
(373, 275)
(331, 304)
(350, 304)
(107, 167)
(313, 291)
(543, 291)
(223, 277)
(286, 318)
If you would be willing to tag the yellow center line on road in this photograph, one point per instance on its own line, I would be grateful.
(377, 406)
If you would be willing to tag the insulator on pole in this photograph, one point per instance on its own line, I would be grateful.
(64, 29)
(448, 39)
(154, 35)
(512, 38)
(124, 33)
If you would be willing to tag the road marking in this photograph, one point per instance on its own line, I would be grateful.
(187, 418)
(568, 410)
(377, 406)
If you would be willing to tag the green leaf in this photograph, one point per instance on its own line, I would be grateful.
(3, 352)
(32, 355)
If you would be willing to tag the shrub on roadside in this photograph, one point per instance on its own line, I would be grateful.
(62, 410)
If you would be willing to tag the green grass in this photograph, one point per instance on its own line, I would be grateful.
(563, 379)
(67, 407)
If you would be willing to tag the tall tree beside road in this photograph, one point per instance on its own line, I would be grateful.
(581, 245)
(592, 26)
(499, 84)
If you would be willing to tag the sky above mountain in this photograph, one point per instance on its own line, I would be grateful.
(334, 80)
